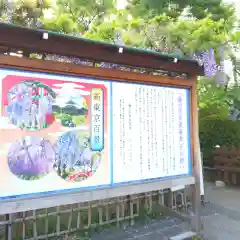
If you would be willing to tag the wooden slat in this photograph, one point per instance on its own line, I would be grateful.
(65, 216)
(227, 161)
(227, 169)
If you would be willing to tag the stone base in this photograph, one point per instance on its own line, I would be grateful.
(220, 184)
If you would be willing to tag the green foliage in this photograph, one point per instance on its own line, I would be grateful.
(214, 100)
(174, 8)
(79, 120)
(24, 12)
(76, 16)
(3, 6)
(62, 23)
(104, 32)
(150, 8)
(156, 24)
(165, 34)
(217, 8)
(165, 30)
(187, 35)
(197, 35)
(215, 128)
(217, 132)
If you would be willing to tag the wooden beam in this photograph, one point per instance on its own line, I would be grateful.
(46, 66)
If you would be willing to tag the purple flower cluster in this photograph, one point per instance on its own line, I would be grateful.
(28, 105)
(31, 156)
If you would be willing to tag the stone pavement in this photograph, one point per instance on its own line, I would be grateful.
(153, 229)
(220, 215)
(224, 221)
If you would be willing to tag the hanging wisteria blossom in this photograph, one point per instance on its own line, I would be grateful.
(30, 105)
(74, 159)
(31, 158)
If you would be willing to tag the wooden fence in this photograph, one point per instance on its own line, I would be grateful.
(226, 166)
(82, 219)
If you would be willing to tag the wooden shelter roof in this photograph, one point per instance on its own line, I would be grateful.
(26, 39)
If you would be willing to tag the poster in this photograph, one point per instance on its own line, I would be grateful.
(60, 133)
(151, 132)
(54, 133)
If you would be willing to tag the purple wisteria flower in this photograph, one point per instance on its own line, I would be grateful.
(74, 159)
(30, 105)
(31, 157)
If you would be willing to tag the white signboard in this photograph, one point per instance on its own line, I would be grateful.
(150, 128)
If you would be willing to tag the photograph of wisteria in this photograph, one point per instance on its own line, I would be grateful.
(30, 105)
(31, 158)
(74, 159)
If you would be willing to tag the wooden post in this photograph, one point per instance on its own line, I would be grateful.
(196, 156)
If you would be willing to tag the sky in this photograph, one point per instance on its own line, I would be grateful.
(70, 91)
(121, 4)
(236, 2)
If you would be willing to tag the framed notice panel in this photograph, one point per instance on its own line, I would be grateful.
(60, 133)
(151, 136)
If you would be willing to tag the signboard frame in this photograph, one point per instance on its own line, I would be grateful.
(44, 201)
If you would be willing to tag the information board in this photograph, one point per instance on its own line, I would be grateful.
(60, 133)
(150, 132)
